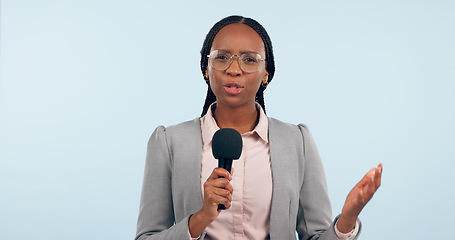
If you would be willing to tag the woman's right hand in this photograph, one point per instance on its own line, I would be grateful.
(217, 190)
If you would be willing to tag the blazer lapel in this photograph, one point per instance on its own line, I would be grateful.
(280, 202)
(194, 168)
(187, 151)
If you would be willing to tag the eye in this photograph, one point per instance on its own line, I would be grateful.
(222, 57)
(250, 59)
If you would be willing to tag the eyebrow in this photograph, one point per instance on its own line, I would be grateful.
(241, 52)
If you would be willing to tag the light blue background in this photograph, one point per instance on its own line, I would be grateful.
(84, 84)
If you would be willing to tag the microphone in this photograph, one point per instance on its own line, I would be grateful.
(226, 146)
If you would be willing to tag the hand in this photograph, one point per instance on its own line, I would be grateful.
(217, 190)
(359, 196)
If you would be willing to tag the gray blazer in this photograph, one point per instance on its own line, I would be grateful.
(172, 191)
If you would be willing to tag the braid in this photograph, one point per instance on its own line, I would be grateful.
(269, 58)
(260, 97)
(209, 99)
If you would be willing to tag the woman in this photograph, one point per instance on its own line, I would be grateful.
(278, 186)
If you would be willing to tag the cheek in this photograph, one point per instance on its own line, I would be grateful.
(212, 78)
(214, 84)
(253, 85)
(257, 80)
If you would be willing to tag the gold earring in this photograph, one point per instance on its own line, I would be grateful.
(264, 85)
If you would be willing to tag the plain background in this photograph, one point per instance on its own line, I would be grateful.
(84, 84)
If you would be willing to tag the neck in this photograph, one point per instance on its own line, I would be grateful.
(243, 119)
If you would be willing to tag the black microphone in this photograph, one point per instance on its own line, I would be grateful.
(226, 146)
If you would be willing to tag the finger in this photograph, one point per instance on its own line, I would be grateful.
(215, 199)
(212, 200)
(226, 202)
(223, 193)
(229, 187)
(377, 179)
(366, 179)
(374, 181)
(220, 172)
(371, 186)
(223, 173)
(218, 183)
(367, 186)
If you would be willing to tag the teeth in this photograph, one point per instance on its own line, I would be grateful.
(233, 87)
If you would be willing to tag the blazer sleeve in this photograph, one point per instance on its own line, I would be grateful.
(156, 213)
(315, 211)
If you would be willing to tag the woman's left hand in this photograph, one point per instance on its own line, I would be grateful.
(359, 196)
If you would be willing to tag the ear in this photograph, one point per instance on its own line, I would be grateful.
(266, 77)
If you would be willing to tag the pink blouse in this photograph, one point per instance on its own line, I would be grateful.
(249, 215)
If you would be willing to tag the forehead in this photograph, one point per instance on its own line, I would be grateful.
(237, 38)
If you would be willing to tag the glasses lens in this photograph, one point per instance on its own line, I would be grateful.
(250, 62)
(220, 60)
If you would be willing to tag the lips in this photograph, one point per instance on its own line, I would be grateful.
(233, 88)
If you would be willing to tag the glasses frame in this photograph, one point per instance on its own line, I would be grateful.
(261, 60)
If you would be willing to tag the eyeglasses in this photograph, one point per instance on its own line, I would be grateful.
(249, 62)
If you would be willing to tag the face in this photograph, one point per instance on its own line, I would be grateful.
(233, 87)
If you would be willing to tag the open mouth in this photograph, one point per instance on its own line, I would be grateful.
(233, 85)
(233, 88)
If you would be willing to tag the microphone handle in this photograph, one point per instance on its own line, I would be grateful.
(225, 163)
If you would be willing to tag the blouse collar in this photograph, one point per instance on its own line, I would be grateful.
(209, 126)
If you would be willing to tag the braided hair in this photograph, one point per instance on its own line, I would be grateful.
(269, 60)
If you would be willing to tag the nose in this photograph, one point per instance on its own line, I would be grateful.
(234, 68)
